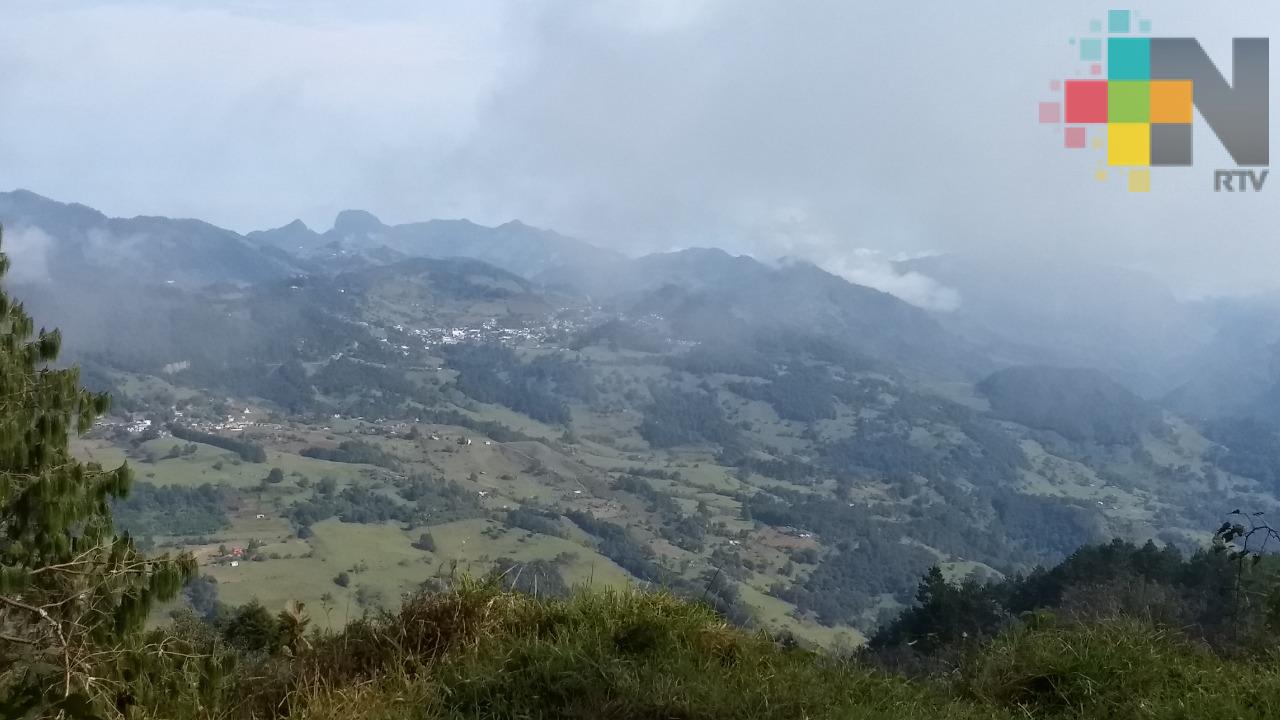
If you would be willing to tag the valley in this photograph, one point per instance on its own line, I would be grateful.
(355, 429)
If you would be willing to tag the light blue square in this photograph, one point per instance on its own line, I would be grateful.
(1118, 21)
(1128, 58)
(1091, 49)
(1095, 26)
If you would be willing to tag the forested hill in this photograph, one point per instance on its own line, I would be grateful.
(1079, 404)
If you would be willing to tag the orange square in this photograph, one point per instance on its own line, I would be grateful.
(1171, 101)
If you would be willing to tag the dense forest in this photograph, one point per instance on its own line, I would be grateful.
(537, 388)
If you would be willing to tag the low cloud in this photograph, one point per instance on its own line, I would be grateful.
(874, 269)
(28, 249)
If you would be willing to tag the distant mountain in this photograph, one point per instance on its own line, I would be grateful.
(1203, 359)
(69, 244)
(1079, 404)
(359, 238)
(1238, 372)
(621, 278)
(1029, 310)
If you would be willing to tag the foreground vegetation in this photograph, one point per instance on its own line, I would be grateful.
(1116, 630)
(478, 652)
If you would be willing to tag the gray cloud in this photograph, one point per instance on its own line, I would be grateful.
(837, 131)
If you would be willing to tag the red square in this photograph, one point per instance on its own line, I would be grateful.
(1086, 101)
(1074, 137)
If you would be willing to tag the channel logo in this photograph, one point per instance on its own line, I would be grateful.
(1135, 98)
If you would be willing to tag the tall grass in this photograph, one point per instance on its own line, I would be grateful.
(477, 652)
(480, 653)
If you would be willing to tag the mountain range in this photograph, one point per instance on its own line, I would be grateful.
(1204, 358)
(652, 418)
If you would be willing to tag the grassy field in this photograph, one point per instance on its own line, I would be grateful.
(777, 616)
(382, 559)
(393, 567)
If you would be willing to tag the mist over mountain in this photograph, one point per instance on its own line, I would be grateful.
(1204, 357)
(1025, 309)
(1238, 371)
(705, 294)
(1207, 358)
(71, 243)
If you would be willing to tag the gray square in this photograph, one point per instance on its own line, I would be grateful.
(1170, 144)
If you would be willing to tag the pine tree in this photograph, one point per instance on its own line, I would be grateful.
(73, 594)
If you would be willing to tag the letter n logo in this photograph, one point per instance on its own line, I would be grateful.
(1237, 112)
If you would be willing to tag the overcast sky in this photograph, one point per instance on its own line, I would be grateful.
(841, 131)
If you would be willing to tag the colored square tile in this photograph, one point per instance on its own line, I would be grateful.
(1128, 101)
(1073, 137)
(1171, 101)
(1095, 69)
(1129, 58)
(1118, 21)
(1050, 112)
(1139, 181)
(1144, 26)
(1095, 26)
(1096, 142)
(1171, 145)
(1055, 85)
(1129, 144)
(1100, 175)
(1091, 49)
(1086, 101)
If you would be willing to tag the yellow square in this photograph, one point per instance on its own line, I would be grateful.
(1096, 142)
(1139, 181)
(1100, 175)
(1128, 144)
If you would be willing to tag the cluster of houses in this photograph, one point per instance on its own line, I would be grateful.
(233, 557)
(137, 423)
(234, 422)
(489, 331)
(533, 331)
